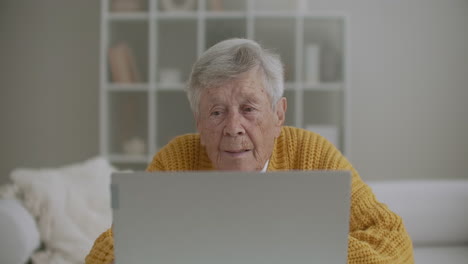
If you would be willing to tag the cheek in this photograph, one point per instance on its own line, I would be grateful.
(210, 136)
(266, 127)
(256, 131)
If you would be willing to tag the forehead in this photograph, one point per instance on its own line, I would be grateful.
(247, 85)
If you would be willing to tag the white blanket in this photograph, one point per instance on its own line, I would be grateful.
(71, 205)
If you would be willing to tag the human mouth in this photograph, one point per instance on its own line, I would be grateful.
(237, 153)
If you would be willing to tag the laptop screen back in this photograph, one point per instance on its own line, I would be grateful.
(292, 217)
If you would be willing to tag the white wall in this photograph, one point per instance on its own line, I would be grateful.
(49, 79)
(408, 73)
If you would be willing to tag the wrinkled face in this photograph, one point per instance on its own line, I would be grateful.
(237, 124)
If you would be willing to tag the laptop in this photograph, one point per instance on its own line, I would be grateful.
(293, 217)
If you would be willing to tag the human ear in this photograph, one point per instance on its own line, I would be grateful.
(280, 114)
(281, 107)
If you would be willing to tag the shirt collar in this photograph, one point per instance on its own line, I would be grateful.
(266, 166)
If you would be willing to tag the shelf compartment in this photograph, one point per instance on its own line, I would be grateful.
(278, 34)
(275, 5)
(173, 6)
(178, 37)
(226, 15)
(127, 51)
(289, 86)
(326, 86)
(324, 109)
(129, 16)
(290, 112)
(173, 117)
(128, 123)
(175, 15)
(167, 87)
(225, 6)
(127, 87)
(176, 50)
(125, 6)
(323, 49)
(222, 29)
(275, 14)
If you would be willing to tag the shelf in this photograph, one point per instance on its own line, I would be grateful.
(225, 5)
(325, 36)
(127, 87)
(127, 122)
(223, 15)
(289, 86)
(275, 6)
(278, 34)
(276, 14)
(120, 6)
(143, 87)
(221, 29)
(163, 45)
(177, 50)
(142, 16)
(173, 116)
(175, 15)
(330, 87)
(129, 16)
(290, 111)
(170, 87)
(323, 108)
(128, 42)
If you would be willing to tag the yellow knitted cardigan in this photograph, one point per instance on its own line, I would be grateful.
(376, 234)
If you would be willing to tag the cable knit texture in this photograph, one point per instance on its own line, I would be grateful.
(376, 234)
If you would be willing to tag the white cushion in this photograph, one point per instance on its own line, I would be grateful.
(434, 212)
(437, 255)
(19, 236)
(72, 206)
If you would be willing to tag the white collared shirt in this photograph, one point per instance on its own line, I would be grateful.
(265, 167)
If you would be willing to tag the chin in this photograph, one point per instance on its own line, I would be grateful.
(238, 168)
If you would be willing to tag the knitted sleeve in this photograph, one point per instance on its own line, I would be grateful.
(376, 234)
(102, 251)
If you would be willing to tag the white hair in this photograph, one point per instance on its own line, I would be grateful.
(228, 59)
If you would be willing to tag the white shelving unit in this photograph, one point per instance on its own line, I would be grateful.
(155, 111)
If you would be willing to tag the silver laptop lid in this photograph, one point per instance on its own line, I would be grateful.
(289, 217)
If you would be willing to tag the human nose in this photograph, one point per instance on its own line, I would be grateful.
(233, 125)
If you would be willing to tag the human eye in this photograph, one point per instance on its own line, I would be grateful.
(216, 112)
(248, 109)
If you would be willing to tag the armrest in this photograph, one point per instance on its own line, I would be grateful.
(435, 212)
(19, 236)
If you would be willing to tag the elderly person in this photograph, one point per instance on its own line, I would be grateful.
(236, 95)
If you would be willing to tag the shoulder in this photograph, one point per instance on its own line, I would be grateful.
(299, 138)
(297, 133)
(181, 153)
(183, 141)
(307, 149)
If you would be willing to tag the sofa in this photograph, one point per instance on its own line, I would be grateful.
(53, 215)
(435, 214)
